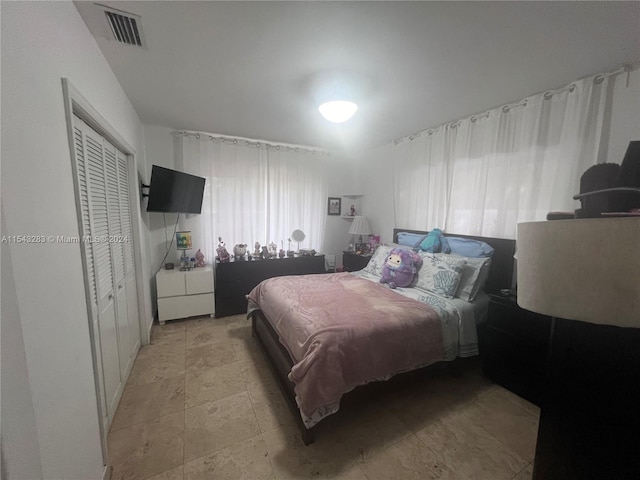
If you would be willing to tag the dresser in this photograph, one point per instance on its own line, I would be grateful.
(234, 280)
(514, 347)
(183, 294)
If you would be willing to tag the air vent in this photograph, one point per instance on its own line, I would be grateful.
(125, 27)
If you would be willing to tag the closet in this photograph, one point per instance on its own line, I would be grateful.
(102, 195)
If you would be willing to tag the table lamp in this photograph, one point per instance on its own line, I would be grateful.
(183, 242)
(360, 226)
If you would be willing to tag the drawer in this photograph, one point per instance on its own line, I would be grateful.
(170, 283)
(186, 306)
(511, 350)
(199, 281)
(525, 325)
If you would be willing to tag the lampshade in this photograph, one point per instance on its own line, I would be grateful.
(338, 111)
(360, 226)
(183, 240)
(582, 269)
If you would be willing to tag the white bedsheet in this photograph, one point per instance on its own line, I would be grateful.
(459, 318)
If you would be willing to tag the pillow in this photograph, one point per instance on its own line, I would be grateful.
(466, 247)
(374, 267)
(440, 273)
(411, 239)
(474, 274)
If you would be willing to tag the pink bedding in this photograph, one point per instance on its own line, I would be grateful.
(343, 331)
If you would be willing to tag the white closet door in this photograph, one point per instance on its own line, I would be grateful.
(102, 259)
(125, 213)
(103, 198)
(83, 194)
(117, 250)
(113, 202)
(129, 266)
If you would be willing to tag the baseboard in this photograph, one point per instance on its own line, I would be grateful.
(149, 327)
(106, 473)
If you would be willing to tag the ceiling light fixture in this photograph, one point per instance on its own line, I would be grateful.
(338, 111)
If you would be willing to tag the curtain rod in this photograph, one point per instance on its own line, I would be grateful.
(251, 142)
(597, 79)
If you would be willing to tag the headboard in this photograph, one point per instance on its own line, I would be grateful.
(501, 272)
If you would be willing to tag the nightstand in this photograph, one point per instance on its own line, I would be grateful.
(351, 262)
(514, 347)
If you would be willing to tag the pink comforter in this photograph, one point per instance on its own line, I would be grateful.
(343, 331)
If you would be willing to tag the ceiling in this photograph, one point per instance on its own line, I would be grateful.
(252, 69)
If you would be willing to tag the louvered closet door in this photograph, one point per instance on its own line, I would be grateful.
(102, 261)
(117, 254)
(129, 266)
(83, 193)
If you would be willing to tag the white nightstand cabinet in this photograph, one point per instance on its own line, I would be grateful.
(185, 294)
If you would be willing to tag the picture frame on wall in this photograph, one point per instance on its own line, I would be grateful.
(334, 206)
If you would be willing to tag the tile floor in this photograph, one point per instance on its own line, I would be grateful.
(201, 403)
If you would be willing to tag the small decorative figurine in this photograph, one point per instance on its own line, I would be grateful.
(257, 255)
(265, 253)
(200, 259)
(281, 253)
(223, 255)
(352, 211)
(273, 250)
(239, 252)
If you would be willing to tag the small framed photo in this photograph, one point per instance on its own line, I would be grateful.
(334, 206)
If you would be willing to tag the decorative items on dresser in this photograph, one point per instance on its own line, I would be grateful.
(352, 262)
(585, 273)
(234, 280)
(183, 294)
(514, 345)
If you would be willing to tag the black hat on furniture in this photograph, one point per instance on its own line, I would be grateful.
(611, 188)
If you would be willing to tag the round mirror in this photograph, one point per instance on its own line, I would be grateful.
(298, 236)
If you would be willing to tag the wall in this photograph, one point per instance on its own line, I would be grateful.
(625, 115)
(375, 168)
(41, 43)
(161, 149)
(376, 174)
(342, 180)
(20, 456)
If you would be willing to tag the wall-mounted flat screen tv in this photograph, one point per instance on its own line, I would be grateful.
(173, 191)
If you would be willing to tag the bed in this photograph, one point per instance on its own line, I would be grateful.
(324, 335)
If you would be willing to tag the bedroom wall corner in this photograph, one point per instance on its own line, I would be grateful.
(375, 173)
(159, 150)
(19, 444)
(341, 179)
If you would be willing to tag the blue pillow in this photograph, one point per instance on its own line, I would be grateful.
(467, 247)
(411, 239)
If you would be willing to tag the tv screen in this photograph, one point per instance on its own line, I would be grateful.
(173, 191)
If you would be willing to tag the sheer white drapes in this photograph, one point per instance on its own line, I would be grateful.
(484, 174)
(253, 193)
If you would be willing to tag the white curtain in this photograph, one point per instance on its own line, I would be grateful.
(254, 192)
(484, 174)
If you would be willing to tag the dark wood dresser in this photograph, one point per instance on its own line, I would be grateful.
(234, 280)
(352, 262)
(514, 347)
